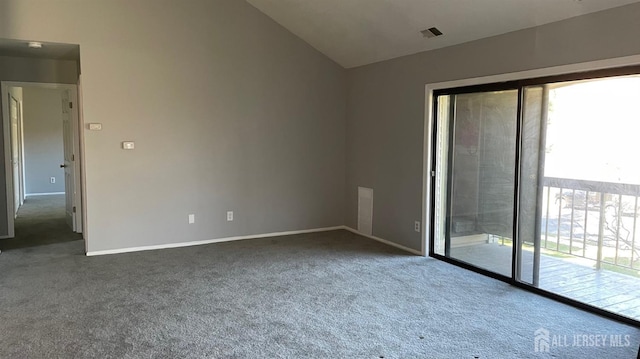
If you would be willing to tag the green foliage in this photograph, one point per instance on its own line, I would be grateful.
(624, 266)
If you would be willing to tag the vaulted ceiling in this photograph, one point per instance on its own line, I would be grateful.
(359, 32)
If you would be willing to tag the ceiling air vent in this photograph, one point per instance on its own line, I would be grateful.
(431, 32)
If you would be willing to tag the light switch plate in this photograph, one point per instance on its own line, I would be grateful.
(95, 126)
(128, 145)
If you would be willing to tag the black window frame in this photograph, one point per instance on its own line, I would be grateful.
(518, 85)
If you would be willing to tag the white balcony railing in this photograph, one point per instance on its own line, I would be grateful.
(593, 220)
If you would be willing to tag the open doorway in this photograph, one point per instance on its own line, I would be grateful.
(42, 167)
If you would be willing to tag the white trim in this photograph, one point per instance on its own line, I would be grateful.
(23, 172)
(42, 194)
(392, 244)
(16, 184)
(45, 85)
(76, 129)
(81, 163)
(8, 170)
(426, 173)
(541, 72)
(210, 241)
(253, 236)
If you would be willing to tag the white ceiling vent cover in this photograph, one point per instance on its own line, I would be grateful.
(365, 210)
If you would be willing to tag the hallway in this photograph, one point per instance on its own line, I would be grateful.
(40, 221)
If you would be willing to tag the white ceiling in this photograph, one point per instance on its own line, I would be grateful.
(359, 32)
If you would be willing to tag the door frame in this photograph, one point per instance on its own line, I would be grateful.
(428, 155)
(79, 178)
(23, 184)
(19, 191)
(610, 67)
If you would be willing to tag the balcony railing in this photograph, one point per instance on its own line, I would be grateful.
(592, 220)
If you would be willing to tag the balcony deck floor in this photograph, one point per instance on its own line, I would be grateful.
(569, 277)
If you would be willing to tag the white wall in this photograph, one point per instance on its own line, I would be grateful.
(43, 145)
(229, 111)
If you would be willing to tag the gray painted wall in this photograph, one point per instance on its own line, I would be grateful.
(228, 110)
(43, 146)
(29, 70)
(385, 112)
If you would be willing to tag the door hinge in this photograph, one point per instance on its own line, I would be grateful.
(74, 209)
(433, 173)
(70, 104)
(73, 157)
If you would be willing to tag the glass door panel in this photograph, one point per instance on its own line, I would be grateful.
(580, 239)
(475, 221)
(573, 149)
(534, 115)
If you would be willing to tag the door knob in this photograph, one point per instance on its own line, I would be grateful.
(63, 166)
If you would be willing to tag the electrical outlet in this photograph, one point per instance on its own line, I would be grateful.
(229, 216)
(416, 226)
(52, 179)
(192, 218)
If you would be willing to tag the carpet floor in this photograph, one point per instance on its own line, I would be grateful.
(40, 221)
(320, 295)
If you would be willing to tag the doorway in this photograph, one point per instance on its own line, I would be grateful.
(42, 133)
(536, 183)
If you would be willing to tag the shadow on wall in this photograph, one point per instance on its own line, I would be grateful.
(5, 18)
(40, 70)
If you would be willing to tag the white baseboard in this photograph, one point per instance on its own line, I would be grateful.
(210, 241)
(253, 236)
(399, 246)
(42, 194)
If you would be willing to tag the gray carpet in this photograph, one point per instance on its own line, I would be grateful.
(322, 295)
(41, 221)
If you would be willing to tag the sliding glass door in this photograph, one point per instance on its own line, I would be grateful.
(476, 188)
(536, 181)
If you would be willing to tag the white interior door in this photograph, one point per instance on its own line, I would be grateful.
(68, 165)
(21, 151)
(15, 153)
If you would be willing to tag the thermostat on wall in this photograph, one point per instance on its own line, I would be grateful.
(128, 145)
